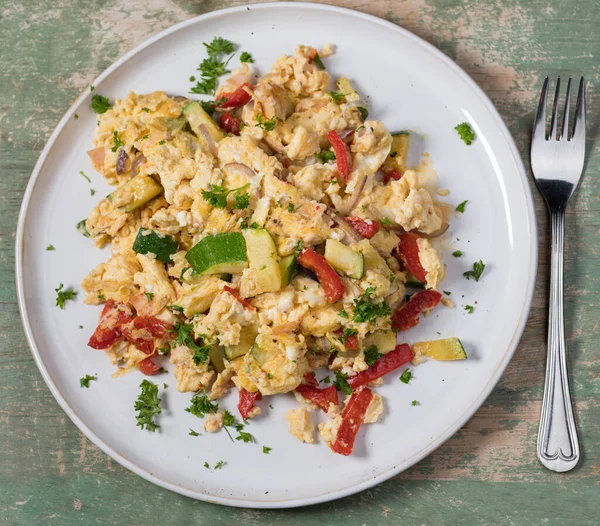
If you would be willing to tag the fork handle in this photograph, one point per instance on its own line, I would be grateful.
(558, 445)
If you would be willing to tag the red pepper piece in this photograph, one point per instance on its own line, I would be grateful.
(229, 123)
(238, 98)
(113, 317)
(351, 343)
(321, 397)
(387, 363)
(333, 286)
(408, 253)
(393, 175)
(148, 367)
(157, 328)
(367, 228)
(237, 296)
(246, 402)
(309, 379)
(342, 154)
(407, 316)
(352, 418)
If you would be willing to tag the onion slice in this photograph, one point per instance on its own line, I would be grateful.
(140, 159)
(355, 196)
(210, 142)
(97, 157)
(350, 234)
(122, 158)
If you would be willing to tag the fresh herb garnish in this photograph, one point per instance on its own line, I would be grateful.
(469, 308)
(414, 402)
(219, 464)
(267, 125)
(372, 354)
(365, 309)
(194, 433)
(447, 292)
(345, 334)
(457, 253)
(317, 61)
(267, 450)
(117, 143)
(246, 57)
(175, 308)
(465, 132)
(100, 104)
(147, 110)
(149, 295)
(476, 272)
(291, 207)
(364, 113)
(147, 406)
(85, 176)
(185, 337)
(326, 380)
(228, 419)
(85, 381)
(341, 384)
(336, 96)
(92, 191)
(219, 45)
(343, 314)
(64, 295)
(217, 197)
(200, 405)
(406, 376)
(384, 221)
(243, 436)
(325, 155)
(461, 207)
(213, 67)
(50, 247)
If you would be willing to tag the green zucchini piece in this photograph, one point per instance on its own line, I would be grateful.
(135, 193)
(385, 341)
(262, 257)
(217, 358)
(413, 282)
(150, 242)
(288, 266)
(398, 157)
(247, 337)
(344, 259)
(219, 254)
(82, 229)
(195, 115)
(446, 349)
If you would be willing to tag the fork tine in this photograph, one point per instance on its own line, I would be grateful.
(564, 133)
(579, 122)
(554, 121)
(539, 125)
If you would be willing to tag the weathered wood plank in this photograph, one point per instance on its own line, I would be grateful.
(487, 473)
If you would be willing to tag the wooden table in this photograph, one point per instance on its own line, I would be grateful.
(487, 473)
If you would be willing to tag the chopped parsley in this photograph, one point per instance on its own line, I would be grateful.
(325, 155)
(117, 143)
(85, 381)
(414, 402)
(267, 450)
(50, 247)
(149, 295)
(63, 296)
(465, 132)
(200, 405)
(193, 433)
(406, 376)
(267, 125)
(228, 419)
(85, 176)
(345, 334)
(364, 113)
(92, 191)
(336, 96)
(461, 207)
(476, 272)
(175, 308)
(217, 197)
(243, 436)
(213, 67)
(326, 380)
(148, 405)
(469, 308)
(291, 208)
(185, 337)
(447, 292)
(365, 309)
(147, 110)
(341, 384)
(372, 354)
(384, 221)
(208, 106)
(100, 104)
(246, 57)
(206, 465)
(75, 116)
(318, 62)
(219, 464)
(343, 314)
(457, 253)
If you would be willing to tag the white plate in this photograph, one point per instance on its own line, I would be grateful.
(411, 85)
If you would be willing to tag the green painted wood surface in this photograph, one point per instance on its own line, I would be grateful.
(487, 473)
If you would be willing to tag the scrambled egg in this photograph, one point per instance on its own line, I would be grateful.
(186, 181)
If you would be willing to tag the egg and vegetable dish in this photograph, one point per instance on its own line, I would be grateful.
(261, 239)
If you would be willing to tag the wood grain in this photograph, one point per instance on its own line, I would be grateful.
(487, 473)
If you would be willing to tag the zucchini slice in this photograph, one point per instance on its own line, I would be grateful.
(135, 193)
(218, 254)
(247, 337)
(288, 265)
(443, 350)
(344, 259)
(82, 228)
(217, 358)
(398, 156)
(262, 257)
(385, 341)
(413, 282)
(150, 242)
(195, 115)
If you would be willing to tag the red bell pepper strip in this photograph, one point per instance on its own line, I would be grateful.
(321, 397)
(342, 154)
(333, 286)
(246, 402)
(237, 296)
(238, 98)
(393, 175)
(408, 253)
(229, 123)
(367, 228)
(113, 317)
(407, 315)
(148, 367)
(309, 379)
(157, 328)
(352, 418)
(143, 331)
(387, 363)
(351, 343)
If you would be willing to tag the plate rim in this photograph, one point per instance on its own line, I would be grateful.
(393, 470)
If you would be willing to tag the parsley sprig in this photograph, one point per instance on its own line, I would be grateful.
(267, 125)
(217, 196)
(117, 143)
(148, 405)
(246, 57)
(63, 296)
(477, 271)
(212, 67)
(372, 354)
(184, 332)
(341, 384)
(85, 381)
(365, 309)
(100, 104)
(465, 132)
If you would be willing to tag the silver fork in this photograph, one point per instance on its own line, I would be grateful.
(557, 163)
